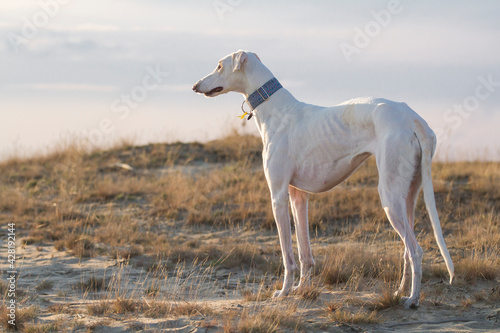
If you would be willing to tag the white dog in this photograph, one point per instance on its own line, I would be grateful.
(311, 149)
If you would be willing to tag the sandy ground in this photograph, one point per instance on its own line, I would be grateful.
(220, 290)
(216, 294)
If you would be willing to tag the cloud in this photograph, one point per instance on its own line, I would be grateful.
(433, 44)
(62, 87)
(93, 27)
(184, 87)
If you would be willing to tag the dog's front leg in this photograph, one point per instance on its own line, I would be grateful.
(282, 217)
(298, 200)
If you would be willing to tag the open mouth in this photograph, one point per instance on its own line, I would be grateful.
(214, 91)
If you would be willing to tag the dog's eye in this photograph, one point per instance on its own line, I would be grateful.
(219, 67)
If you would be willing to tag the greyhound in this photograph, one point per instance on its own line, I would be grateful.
(311, 149)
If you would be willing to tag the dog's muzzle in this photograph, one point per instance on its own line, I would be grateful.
(196, 88)
(214, 91)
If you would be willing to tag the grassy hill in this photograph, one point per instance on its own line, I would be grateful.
(189, 230)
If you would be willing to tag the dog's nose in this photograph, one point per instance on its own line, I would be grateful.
(195, 87)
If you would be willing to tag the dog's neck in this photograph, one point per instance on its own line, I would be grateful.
(256, 76)
(270, 116)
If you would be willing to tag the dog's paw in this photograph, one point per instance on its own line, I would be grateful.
(409, 303)
(279, 294)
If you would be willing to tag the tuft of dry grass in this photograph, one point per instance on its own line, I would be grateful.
(123, 305)
(93, 284)
(120, 188)
(153, 309)
(309, 293)
(473, 269)
(43, 327)
(81, 246)
(343, 263)
(156, 309)
(59, 308)
(99, 308)
(386, 300)
(190, 309)
(92, 327)
(257, 324)
(268, 319)
(45, 284)
(23, 317)
(3, 288)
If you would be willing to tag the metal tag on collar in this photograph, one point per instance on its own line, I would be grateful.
(250, 114)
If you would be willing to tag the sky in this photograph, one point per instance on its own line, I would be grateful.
(104, 71)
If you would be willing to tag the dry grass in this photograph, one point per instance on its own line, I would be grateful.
(343, 263)
(151, 309)
(4, 287)
(310, 293)
(46, 284)
(259, 296)
(472, 269)
(43, 328)
(190, 309)
(22, 319)
(58, 308)
(386, 300)
(267, 319)
(124, 305)
(191, 212)
(93, 284)
(99, 309)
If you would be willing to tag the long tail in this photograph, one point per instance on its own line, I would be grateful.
(427, 141)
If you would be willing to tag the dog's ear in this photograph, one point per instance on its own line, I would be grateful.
(239, 60)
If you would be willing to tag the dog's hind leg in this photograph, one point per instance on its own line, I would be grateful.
(395, 214)
(397, 162)
(411, 202)
(299, 200)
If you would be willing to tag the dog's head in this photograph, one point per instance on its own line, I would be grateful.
(228, 76)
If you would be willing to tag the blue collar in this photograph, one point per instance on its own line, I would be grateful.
(260, 95)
